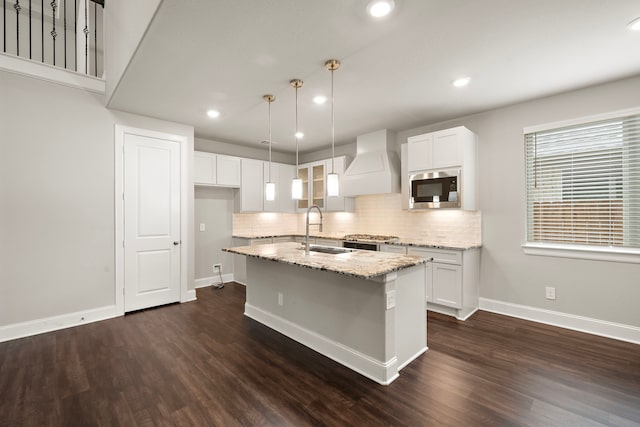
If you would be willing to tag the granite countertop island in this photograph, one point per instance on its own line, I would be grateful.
(363, 309)
(362, 264)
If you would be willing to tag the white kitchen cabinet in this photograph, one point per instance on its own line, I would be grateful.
(420, 149)
(340, 203)
(216, 170)
(313, 185)
(328, 242)
(444, 149)
(286, 173)
(394, 249)
(228, 171)
(281, 176)
(314, 191)
(250, 197)
(451, 280)
(204, 168)
(404, 176)
(454, 148)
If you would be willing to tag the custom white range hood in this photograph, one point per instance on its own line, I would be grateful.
(376, 167)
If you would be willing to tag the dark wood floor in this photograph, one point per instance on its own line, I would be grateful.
(205, 364)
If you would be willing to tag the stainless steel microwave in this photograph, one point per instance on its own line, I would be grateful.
(435, 189)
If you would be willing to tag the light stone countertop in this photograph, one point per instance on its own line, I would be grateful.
(362, 264)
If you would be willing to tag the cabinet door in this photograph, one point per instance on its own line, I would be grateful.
(204, 168)
(336, 203)
(303, 174)
(419, 153)
(447, 149)
(447, 285)
(251, 186)
(271, 205)
(317, 185)
(228, 171)
(283, 188)
(329, 242)
(393, 249)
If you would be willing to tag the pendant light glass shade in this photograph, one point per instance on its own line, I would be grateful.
(270, 191)
(296, 189)
(296, 183)
(270, 187)
(333, 185)
(333, 180)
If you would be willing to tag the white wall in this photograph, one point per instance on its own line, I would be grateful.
(214, 208)
(57, 198)
(126, 22)
(595, 289)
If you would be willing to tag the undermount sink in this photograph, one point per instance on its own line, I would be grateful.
(329, 249)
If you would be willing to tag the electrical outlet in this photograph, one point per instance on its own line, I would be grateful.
(217, 267)
(550, 292)
(280, 299)
(202, 227)
(391, 299)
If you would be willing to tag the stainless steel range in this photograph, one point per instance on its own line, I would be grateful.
(369, 242)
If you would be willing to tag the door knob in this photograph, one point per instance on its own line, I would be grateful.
(176, 243)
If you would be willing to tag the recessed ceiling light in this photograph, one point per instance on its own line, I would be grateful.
(320, 99)
(380, 8)
(299, 135)
(634, 25)
(213, 113)
(461, 82)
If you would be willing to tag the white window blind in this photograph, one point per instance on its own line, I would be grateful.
(583, 184)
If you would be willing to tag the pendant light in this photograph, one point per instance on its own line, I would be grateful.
(296, 183)
(333, 180)
(270, 187)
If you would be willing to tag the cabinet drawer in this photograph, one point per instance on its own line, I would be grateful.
(438, 255)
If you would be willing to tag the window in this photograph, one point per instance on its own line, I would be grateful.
(583, 184)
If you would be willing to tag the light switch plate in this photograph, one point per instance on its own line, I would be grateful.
(202, 227)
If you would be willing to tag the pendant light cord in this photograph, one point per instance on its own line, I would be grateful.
(296, 135)
(269, 141)
(333, 128)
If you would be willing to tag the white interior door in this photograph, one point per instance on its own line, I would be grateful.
(151, 221)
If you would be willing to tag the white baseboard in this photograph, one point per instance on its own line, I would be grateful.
(209, 281)
(603, 328)
(381, 372)
(54, 323)
(191, 295)
(453, 312)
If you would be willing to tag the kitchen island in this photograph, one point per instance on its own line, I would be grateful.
(363, 309)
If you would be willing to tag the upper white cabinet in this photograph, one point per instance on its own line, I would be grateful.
(281, 176)
(340, 203)
(216, 169)
(314, 189)
(455, 147)
(420, 147)
(228, 171)
(250, 197)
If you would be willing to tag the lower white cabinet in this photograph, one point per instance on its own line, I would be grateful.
(394, 249)
(451, 280)
(328, 242)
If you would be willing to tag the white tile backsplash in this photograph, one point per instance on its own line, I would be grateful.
(375, 214)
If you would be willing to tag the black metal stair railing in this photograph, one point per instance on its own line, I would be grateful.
(85, 38)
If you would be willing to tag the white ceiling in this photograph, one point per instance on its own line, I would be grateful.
(396, 73)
